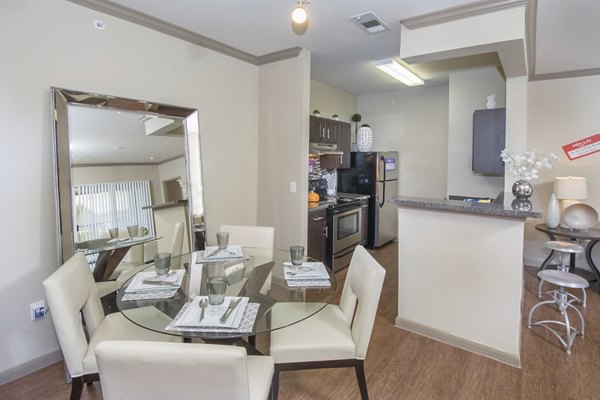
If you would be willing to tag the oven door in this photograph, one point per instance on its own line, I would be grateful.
(346, 228)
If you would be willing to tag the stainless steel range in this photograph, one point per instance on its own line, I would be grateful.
(344, 221)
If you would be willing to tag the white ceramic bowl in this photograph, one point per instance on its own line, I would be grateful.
(580, 216)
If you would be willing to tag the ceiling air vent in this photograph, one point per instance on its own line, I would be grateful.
(370, 23)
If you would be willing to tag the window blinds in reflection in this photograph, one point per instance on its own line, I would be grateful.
(101, 206)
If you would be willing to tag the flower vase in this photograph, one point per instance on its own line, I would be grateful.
(553, 212)
(522, 189)
(364, 138)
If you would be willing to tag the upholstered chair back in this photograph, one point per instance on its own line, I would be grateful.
(360, 297)
(177, 245)
(69, 290)
(250, 236)
(158, 370)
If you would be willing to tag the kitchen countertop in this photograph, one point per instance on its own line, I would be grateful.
(505, 205)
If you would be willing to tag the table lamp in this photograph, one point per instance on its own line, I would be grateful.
(569, 190)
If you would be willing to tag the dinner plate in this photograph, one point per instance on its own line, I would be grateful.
(191, 316)
(138, 285)
(225, 254)
(308, 270)
(580, 216)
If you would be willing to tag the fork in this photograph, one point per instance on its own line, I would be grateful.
(232, 305)
(202, 306)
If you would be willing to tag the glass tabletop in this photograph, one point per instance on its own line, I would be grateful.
(258, 277)
(101, 245)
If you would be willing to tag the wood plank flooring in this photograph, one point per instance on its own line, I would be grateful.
(401, 365)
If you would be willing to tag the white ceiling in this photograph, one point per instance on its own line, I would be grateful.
(565, 41)
(343, 54)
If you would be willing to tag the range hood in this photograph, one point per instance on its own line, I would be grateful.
(324, 149)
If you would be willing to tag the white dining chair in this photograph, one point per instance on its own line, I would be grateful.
(336, 336)
(182, 371)
(177, 245)
(77, 315)
(250, 236)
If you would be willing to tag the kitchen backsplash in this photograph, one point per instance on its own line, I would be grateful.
(316, 172)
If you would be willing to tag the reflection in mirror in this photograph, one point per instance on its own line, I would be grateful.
(125, 163)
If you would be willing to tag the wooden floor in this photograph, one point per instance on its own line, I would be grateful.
(403, 365)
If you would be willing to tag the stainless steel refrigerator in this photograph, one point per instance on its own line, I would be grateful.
(375, 174)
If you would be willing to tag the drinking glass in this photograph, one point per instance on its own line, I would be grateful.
(297, 255)
(132, 230)
(217, 286)
(162, 263)
(113, 232)
(222, 240)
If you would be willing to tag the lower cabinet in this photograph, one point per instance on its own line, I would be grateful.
(317, 234)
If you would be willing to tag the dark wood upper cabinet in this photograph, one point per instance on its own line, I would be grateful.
(324, 130)
(489, 128)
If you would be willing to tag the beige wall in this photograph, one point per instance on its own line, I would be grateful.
(468, 91)
(414, 123)
(562, 111)
(283, 148)
(329, 100)
(54, 43)
(169, 170)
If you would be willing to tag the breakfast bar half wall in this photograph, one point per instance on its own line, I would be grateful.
(460, 272)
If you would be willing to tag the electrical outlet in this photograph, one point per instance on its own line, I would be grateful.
(37, 310)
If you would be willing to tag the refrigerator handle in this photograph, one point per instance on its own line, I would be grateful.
(382, 158)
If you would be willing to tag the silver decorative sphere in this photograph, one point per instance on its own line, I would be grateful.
(522, 189)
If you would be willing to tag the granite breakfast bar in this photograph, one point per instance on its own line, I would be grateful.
(460, 272)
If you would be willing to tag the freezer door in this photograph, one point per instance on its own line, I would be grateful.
(388, 166)
(385, 221)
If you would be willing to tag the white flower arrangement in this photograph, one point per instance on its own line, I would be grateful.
(526, 165)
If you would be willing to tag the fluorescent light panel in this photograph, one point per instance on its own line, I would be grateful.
(397, 71)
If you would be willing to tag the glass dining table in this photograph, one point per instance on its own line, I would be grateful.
(258, 277)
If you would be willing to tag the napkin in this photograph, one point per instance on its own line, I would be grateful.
(137, 284)
(191, 316)
(229, 252)
(308, 270)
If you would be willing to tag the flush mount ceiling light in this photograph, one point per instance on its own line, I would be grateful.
(397, 71)
(299, 15)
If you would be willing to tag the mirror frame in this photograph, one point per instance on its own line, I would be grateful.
(61, 100)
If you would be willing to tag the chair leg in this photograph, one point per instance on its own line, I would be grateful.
(359, 367)
(275, 384)
(76, 387)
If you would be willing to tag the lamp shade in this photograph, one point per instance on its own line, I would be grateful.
(570, 188)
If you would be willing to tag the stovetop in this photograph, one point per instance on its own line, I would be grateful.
(336, 202)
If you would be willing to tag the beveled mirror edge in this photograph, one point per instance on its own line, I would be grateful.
(60, 100)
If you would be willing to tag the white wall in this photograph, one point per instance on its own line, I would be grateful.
(562, 111)
(467, 92)
(283, 148)
(414, 123)
(87, 175)
(170, 170)
(329, 100)
(53, 43)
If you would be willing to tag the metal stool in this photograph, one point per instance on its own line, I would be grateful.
(561, 298)
(566, 249)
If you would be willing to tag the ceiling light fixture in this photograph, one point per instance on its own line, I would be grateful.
(396, 70)
(299, 15)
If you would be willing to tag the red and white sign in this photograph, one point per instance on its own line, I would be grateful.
(583, 147)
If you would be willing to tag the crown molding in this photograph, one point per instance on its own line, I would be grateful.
(156, 24)
(566, 74)
(280, 55)
(460, 12)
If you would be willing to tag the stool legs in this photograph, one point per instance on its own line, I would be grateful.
(561, 299)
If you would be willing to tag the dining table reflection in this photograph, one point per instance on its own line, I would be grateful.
(110, 252)
(259, 277)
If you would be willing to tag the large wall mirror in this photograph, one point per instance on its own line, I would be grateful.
(125, 162)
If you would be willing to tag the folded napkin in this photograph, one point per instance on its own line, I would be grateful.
(211, 253)
(191, 316)
(149, 281)
(308, 270)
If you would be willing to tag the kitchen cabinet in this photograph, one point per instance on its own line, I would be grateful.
(488, 141)
(323, 130)
(317, 234)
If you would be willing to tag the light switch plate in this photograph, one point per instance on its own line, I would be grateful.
(292, 187)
